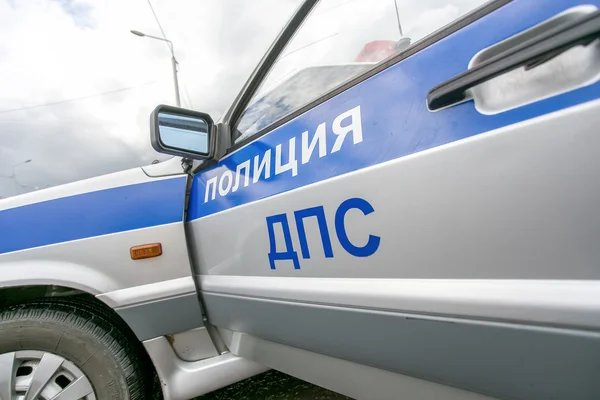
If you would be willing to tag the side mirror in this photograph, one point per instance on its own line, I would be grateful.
(182, 132)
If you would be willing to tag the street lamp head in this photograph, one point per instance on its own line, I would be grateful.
(138, 33)
(22, 162)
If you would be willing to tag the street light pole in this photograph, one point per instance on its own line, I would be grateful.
(12, 170)
(13, 176)
(173, 62)
(175, 79)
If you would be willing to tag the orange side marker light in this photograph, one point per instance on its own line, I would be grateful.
(146, 251)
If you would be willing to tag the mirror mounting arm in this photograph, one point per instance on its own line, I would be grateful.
(186, 164)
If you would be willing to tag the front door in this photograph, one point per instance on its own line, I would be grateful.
(383, 206)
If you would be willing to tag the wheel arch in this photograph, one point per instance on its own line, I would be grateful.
(55, 273)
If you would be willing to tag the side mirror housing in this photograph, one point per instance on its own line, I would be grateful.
(182, 132)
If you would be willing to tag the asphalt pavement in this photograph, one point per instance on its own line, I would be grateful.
(273, 385)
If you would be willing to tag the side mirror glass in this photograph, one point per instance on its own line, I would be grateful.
(182, 132)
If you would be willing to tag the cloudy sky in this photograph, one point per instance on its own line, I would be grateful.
(53, 51)
(78, 87)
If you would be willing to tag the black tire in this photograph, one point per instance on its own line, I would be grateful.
(87, 335)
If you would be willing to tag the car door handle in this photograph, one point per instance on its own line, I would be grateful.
(530, 54)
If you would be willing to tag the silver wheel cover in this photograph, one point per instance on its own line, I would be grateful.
(39, 375)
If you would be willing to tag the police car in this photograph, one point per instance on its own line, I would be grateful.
(417, 221)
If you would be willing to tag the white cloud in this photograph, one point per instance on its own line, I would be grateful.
(52, 51)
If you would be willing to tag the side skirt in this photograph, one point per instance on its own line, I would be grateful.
(183, 380)
(351, 379)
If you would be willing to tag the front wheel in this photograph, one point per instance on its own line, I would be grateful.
(66, 349)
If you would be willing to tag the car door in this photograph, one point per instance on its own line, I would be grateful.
(428, 212)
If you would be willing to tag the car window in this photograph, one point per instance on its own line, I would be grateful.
(337, 41)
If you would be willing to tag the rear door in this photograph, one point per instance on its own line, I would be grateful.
(382, 206)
